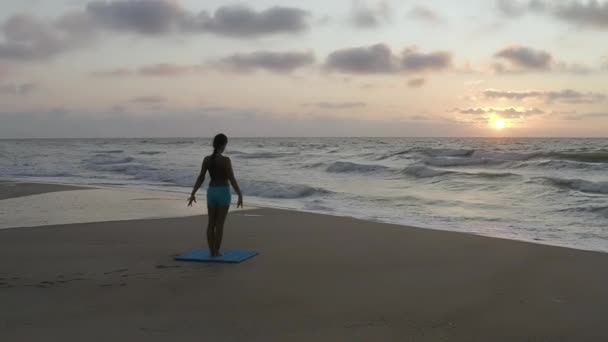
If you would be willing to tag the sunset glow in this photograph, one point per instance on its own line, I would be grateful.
(499, 123)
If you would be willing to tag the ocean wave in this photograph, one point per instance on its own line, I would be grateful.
(422, 171)
(279, 190)
(108, 151)
(151, 153)
(562, 164)
(601, 211)
(110, 161)
(447, 152)
(587, 157)
(580, 185)
(262, 155)
(456, 161)
(348, 167)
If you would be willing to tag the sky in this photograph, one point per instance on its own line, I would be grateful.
(189, 68)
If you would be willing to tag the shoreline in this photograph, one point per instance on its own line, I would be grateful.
(77, 186)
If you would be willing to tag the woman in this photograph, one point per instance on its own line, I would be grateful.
(218, 193)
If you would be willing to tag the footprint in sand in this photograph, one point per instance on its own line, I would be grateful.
(165, 266)
(122, 270)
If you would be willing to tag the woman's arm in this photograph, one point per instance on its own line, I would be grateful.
(235, 184)
(199, 182)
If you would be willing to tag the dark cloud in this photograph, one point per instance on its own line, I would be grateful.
(280, 62)
(141, 16)
(241, 21)
(525, 58)
(516, 8)
(363, 16)
(416, 82)
(26, 38)
(18, 88)
(415, 61)
(425, 14)
(507, 113)
(151, 100)
(565, 95)
(588, 13)
(375, 59)
(379, 58)
(339, 105)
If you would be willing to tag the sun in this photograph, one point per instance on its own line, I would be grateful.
(499, 123)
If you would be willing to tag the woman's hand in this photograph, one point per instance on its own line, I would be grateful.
(239, 203)
(191, 199)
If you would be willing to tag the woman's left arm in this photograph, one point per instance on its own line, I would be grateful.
(199, 182)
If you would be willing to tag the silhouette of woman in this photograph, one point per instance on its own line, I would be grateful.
(218, 193)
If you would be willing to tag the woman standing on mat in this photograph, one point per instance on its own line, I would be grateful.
(218, 193)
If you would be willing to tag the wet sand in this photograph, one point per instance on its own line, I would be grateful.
(12, 190)
(317, 278)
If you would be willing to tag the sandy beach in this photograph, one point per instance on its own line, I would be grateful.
(317, 278)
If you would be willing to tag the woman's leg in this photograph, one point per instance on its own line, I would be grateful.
(212, 215)
(220, 218)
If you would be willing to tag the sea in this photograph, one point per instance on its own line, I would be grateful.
(549, 191)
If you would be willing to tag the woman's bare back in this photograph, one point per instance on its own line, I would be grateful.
(219, 170)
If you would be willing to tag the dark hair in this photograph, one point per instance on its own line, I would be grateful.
(219, 141)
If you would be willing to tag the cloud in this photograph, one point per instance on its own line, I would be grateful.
(363, 16)
(588, 13)
(152, 70)
(24, 37)
(525, 58)
(18, 88)
(507, 113)
(565, 95)
(516, 8)
(379, 59)
(154, 99)
(241, 22)
(148, 17)
(415, 61)
(338, 105)
(279, 62)
(27, 38)
(425, 14)
(375, 59)
(592, 115)
(416, 82)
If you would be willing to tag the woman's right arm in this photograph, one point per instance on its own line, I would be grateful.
(235, 184)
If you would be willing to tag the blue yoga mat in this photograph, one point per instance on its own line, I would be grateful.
(229, 256)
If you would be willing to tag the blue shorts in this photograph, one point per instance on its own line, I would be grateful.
(218, 196)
